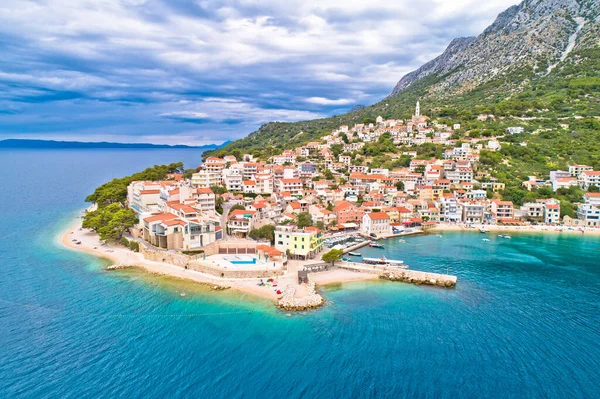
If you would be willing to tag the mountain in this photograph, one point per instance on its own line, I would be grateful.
(51, 144)
(539, 59)
(535, 35)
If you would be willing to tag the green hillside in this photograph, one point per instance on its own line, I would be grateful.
(569, 95)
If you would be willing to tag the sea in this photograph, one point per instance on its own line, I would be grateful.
(522, 322)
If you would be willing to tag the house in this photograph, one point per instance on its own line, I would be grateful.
(575, 170)
(502, 210)
(293, 186)
(589, 211)
(303, 244)
(207, 178)
(205, 199)
(515, 130)
(377, 223)
(551, 213)
(589, 178)
(473, 211)
(345, 212)
(168, 231)
(241, 221)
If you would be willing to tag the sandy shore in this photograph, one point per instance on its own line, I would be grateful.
(518, 229)
(89, 242)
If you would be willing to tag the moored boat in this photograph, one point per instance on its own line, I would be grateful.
(354, 254)
(385, 262)
(375, 245)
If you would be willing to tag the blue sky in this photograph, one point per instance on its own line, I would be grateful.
(201, 71)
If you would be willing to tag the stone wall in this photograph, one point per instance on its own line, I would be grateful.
(189, 262)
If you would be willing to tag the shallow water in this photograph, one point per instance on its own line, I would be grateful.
(523, 320)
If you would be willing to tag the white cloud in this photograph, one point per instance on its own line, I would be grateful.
(327, 101)
(233, 60)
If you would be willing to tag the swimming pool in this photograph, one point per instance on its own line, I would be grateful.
(241, 260)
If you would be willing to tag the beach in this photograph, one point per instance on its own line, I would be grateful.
(120, 256)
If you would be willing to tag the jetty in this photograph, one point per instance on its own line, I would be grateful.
(389, 270)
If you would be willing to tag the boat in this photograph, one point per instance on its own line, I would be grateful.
(500, 235)
(485, 239)
(346, 259)
(354, 254)
(401, 240)
(482, 230)
(507, 236)
(375, 245)
(385, 262)
(439, 235)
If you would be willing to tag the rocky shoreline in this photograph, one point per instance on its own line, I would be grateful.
(312, 301)
(411, 279)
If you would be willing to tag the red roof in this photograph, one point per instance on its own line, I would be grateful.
(204, 190)
(173, 222)
(378, 216)
(160, 217)
(146, 192)
(343, 205)
(290, 181)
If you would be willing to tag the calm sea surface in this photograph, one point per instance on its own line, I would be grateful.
(523, 321)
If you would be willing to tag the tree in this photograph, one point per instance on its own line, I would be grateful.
(400, 186)
(115, 191)
(110, 222)
(187, 174)
(328, 174)
(218, 189)
(267, 232)
(333, 256)
(304, 220)
(593, 189)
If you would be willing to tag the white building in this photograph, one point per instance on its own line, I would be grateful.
(589, 211)
(377, 223)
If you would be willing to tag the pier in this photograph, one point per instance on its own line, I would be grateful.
(392, 272)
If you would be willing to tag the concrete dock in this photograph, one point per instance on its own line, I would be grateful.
(404, 275)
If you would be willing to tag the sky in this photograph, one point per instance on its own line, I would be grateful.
(200, 71)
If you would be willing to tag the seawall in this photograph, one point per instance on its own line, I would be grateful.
(405, 275)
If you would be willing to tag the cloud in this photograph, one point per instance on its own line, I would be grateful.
(165, 68)
(327, 101)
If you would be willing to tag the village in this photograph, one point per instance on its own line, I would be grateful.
(243, 222)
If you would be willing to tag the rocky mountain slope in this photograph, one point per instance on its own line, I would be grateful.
(534, 35)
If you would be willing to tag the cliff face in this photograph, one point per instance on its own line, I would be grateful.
(532, 36)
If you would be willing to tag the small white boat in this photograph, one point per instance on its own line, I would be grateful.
(485, 239)
(354, 254)
(402, 241)
(439, 235)
(507, 236)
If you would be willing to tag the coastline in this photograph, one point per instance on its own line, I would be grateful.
(517, 229)
(121, 257)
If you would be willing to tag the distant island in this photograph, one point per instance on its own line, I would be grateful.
(52, 144)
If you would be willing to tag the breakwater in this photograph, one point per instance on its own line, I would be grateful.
(311, 301)
(404, 275)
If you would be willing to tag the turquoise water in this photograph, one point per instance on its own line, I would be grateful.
(522, 322)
